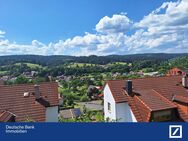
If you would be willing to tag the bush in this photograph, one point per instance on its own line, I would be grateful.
(84, 98)
(21, 80)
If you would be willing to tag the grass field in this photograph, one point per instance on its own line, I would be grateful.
(88, 64)
(2, 72)
(80, 64)
(117, 63)
(31, 65)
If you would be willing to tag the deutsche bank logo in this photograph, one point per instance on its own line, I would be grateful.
(175, 131)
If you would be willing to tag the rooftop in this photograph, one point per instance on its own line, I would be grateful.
(179, 98)
(154, 101)
(21, 101)
(150, 94)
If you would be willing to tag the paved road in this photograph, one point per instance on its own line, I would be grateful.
(92, 105)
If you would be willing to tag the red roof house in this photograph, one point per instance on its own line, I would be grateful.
(177, 71)
(146, 99)
(29, 102)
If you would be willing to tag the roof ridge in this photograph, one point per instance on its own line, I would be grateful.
(164, 98)
(143, 103)
(11, 113)
(6, 112)
(2, 113)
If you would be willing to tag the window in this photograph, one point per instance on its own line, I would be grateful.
(165, 115)
(109, 106)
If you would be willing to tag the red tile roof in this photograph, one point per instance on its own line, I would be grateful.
(179, 98)
(116, 87)
(154, 101)
(183, 115)
(177, 71)
(140, 111)
(27, 108)
(6, 116)
(151, 94)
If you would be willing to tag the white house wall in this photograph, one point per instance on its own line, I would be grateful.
(109, 98)
(121, 112)
(124, 113)
(52, 114)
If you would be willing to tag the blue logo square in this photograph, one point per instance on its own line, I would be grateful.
(175, 131)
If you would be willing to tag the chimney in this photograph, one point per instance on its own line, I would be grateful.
(129, 87)
(184, 81)
(37, 92)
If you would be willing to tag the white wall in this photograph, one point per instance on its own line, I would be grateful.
(119, 111)
(109, 98)
(52, 114)
(124, 113)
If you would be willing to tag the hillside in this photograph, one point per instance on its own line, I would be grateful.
(57, 60)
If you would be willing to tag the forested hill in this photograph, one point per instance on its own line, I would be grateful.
(60, 59)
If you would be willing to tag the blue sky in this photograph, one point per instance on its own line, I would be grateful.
(86, 27)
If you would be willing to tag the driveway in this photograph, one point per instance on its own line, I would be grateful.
(92, 105)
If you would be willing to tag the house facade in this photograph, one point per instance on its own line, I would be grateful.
(146, 99)
(116, 111)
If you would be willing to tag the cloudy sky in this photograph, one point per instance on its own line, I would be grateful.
(93, 27)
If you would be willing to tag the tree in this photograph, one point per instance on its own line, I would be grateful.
(21, 80)
(92, 91)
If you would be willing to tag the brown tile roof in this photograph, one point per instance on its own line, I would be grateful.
(6, 116)
(140, 111)
(151, 94)
(1, 82)
(154, 101)
(116, 87)
(12, 99)
(183, 115)
(179, 98)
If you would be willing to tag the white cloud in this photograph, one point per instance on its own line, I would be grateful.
(2, 34)
(8, 48)
(116, 24)
(163, 30)
(175, 15)
(92, 44)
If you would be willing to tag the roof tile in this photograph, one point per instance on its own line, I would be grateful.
(151, 94)
(12, 99)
